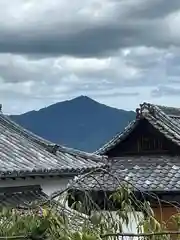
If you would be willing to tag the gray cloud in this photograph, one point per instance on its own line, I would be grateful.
(56, 78)
(162, 91)
(105, 49)
(156, 9)
(89, 28)
(115, 94)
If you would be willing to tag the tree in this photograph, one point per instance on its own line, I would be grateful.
(55, 221)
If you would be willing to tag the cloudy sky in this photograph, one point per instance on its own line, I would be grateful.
(119, 52)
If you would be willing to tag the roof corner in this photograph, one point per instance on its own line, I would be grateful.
(144, 109)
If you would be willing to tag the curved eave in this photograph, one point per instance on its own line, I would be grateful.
(37, 157)
(154, 114)
(48, 173)
(117, 138)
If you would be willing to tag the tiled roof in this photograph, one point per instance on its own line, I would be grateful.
(165, 119)
(22, 196)
(143, 173)
(26, 197)
(22, 154)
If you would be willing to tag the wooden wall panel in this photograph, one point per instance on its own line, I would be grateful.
(144, 139)
(164, 215)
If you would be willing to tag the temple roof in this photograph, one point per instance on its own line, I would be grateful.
(165, 119)
(151, 173)
(23, 154)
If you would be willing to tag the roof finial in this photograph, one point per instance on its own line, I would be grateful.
(138, 113)
(0, 107)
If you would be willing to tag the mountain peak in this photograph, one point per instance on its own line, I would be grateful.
(80, 123)
(83, 98)
(82, 102)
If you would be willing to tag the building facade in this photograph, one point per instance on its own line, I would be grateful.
(29, 160)
(146, 155)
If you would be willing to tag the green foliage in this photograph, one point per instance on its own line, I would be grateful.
(50, 222)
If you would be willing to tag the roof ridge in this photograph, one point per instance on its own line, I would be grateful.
(169, 111)
(158, 105)
(154, 111)
(159, 111)
(165, 129)
(166, 106)
(165, 116)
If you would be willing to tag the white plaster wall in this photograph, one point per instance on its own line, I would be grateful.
(132, 227)
(48, 185)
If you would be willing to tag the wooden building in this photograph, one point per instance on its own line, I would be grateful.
(146, 155)
(32, 166)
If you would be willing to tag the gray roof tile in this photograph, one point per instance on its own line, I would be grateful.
(22, 153)
(22, 196)
(149, 173)
(146, 177)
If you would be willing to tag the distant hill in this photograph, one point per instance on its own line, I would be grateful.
(80, 123)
